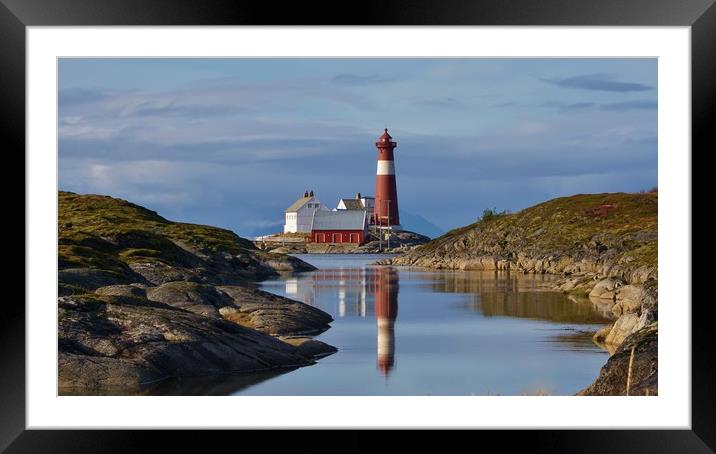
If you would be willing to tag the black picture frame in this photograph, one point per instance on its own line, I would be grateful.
(16, 15)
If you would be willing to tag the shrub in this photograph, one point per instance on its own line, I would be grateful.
(492, 213)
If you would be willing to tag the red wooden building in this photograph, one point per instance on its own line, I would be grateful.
(342, 226)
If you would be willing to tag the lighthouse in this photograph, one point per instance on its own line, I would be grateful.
(385, 211)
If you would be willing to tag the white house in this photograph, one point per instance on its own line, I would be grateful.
(360, 202)
(299, 215)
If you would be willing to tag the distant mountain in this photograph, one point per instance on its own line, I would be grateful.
(418, 224)
(263, 230)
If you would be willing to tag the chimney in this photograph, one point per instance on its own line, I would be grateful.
(358, 195)
(311, 194)
(305, 194)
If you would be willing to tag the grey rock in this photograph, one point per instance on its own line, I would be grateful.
(273, 314)
(606, 289)
(612, 380)
(310, 348)
(123, 290)
(200, 299)
(103, 345)
(90, 279)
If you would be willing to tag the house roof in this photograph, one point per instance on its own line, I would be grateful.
(298, 204)
(352, 204)
(339, 220)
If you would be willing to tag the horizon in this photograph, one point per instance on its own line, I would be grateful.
(233, 142)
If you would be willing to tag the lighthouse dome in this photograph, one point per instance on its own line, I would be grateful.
(385, 137)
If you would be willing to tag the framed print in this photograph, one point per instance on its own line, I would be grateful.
(248, 217)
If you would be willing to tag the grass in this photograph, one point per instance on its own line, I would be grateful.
(107, 233)
(644, 255)
(623, 222)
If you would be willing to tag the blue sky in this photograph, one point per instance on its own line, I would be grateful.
(233, 142)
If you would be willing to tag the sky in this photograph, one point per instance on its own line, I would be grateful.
(233, 142)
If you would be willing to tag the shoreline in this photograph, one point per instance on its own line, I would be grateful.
(631, 303)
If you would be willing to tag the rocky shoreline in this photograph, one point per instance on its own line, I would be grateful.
(143, 300)
(400, 242)
(604, 248)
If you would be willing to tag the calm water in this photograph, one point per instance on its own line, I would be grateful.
(430, 332)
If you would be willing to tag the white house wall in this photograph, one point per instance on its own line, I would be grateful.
(301, 220)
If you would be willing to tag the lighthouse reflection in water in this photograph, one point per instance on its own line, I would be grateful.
(456, 333)
(360, 293)
(385, 294)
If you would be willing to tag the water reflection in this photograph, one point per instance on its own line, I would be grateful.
(351, 292)
(350, 286)
(458, 332)
(505, 294)
(210, 385)
(477, 282)
(357, 292)
(385, 296)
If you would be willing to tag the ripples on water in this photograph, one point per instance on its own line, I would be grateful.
(433, 332)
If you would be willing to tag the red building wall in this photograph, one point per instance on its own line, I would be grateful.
(338, 236)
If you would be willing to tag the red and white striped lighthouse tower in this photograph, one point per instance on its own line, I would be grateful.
(385, 211)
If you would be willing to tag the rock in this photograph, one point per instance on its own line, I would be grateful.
(631, 298)
(90, 279)
(273, 314)
(158, 273)
(122, 290)
(92, 373)
(310, 348)
(200, 299)
(606, 289)
(282, 263)
(612, 378)
(624, 327)
(617, 309)
(107, 345)
(400, 241)
(289, 250)
(601, 335)
(582, 284)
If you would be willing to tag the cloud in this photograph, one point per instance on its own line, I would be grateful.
(440, 103)
(579, 106)
(598, 82)
(361, 79)
(631, 105)
(623, 106)
(79, 96)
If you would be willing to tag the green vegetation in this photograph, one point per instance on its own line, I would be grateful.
(99, 217)
(489, 214)
(620, 226)
(109, 234)
(570, 221)
(644, 255)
